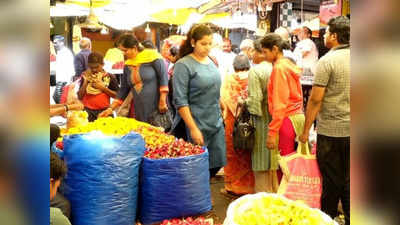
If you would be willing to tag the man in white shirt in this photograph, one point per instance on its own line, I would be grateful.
(229, 56)
(65, 61)
(307, 53)
(284, 33)
(225, 64)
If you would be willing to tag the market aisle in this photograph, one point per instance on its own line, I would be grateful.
(220, 201)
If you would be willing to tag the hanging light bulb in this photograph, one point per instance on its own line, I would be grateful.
(269, 7)
(92, 21)
(147, 30)
(104, 30)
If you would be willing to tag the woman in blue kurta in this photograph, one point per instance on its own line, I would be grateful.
(196, 84)
(146, 76)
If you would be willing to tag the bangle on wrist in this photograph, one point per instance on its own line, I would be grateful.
(66, 108)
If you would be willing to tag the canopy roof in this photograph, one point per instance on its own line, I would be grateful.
(126, 14)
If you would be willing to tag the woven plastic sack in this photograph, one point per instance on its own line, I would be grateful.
(174, 188)
(263, 213)
(102, 178)
(301, 177)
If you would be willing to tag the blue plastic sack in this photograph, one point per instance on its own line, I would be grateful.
(102, 178)
(173, 188)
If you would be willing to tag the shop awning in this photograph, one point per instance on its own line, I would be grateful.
(86, 3)
(173, 16)
(62, 10)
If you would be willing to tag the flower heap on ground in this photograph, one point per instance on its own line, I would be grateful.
(276, 210)
(187, 221)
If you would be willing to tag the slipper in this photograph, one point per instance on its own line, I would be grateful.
(228, 193)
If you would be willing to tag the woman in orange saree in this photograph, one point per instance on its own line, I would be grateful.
(239, 177)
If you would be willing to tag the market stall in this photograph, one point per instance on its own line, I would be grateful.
(104, 182)
(123, 171)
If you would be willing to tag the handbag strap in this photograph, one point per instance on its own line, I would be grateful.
(238, 107)
(305, 147)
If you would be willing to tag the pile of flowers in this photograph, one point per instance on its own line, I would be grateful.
(276, 210)
(188, 221)
(178, 148)
(121, 126)
(76, 118)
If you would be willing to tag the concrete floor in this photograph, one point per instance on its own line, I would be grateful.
(220, 201)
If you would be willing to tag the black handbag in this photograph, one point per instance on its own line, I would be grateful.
(163, 120)
(243, 130)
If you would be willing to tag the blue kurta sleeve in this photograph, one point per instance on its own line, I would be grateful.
(125, 86)
(161, 72)
(180, 82)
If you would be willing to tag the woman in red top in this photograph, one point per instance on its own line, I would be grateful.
(285, 98)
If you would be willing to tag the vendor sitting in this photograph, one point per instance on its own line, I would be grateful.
(57, 172)
(97, 87)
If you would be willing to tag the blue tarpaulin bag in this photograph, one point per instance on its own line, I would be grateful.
(102, 178)
(174, 187)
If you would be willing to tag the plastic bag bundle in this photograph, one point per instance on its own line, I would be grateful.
(102, 178)
(163, 120)
(174, 188)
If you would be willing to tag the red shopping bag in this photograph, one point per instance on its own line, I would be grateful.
(301, 177)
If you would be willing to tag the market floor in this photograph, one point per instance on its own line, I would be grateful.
(220, 201)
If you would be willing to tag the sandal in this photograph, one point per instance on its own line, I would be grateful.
(228, 193)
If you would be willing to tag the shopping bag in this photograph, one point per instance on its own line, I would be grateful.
(163, 120)
(124, 109)
(69, 91)
(301, 177)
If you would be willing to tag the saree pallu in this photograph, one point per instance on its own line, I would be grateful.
(239, 177)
